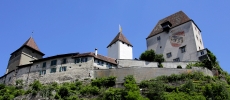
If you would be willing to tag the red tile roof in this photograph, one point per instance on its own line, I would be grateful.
(31, 43)
(175, 19)
(100, 57)
(120, 37)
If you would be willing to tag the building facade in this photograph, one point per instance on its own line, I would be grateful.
(177, 37)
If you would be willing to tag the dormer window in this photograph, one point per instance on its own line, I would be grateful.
(166, 26)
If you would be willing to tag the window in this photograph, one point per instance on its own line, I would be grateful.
(196, 37)
(63, 61)
(202, 52)
(99, 62)
(108, 65)
(200, 42)
(42, 72)
(158, 38)
(53, 62)
(84, 59)
(176, 59)
(77, 60)
(183, 49)
(169, 55)
(44, 64)
(63, 68)
(52, 70)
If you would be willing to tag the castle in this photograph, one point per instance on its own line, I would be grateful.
(177, 37)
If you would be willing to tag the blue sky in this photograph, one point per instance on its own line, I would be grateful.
(81, 25)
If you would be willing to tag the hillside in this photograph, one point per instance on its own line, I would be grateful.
(191, 86)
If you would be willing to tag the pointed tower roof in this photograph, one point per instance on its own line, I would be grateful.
(31, 44)
(175, 19)
(120, 37)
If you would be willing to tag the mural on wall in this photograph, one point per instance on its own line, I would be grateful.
(177, 37)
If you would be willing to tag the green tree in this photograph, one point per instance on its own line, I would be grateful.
(150, 55)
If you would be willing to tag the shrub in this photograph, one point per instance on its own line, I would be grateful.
(189, 66)
(179, 67)
(160, 65)
(106, 82)
(88, 89)
(36, 85)
(64, 92)
(113, 94)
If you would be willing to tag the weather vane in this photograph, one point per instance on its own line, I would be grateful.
(120, 29)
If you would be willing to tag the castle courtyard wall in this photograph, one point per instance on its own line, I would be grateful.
(145, 73)
(135, 63)
(175, 64)
(85, 70)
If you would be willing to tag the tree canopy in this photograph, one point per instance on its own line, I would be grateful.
(151, 56)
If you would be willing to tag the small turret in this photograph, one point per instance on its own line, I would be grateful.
(120, 47)
(27, 52)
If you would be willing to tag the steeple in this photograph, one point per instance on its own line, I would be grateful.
(27, 52)
(31, 43)
(120, 47)
(120, 37)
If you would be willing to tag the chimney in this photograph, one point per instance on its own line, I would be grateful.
(95, 51)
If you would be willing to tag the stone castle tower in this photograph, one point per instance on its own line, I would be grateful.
(27, 52)
(120, 47)
(177, 37)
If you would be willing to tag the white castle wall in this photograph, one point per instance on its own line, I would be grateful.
(166, 43)
(113, 50)
(120, 50)
(135, 63)
(198, 37)
(125, 51)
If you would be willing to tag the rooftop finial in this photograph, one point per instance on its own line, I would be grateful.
(32, 33)
(120, 29)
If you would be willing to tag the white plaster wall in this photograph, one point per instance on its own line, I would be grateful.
(136, 63)
(164, 46)
(125, 51)
(113, 50)
(198, 37)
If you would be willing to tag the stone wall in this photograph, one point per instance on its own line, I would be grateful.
(135, 63)
(175, 64)
(145, 73)
(85, 70)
